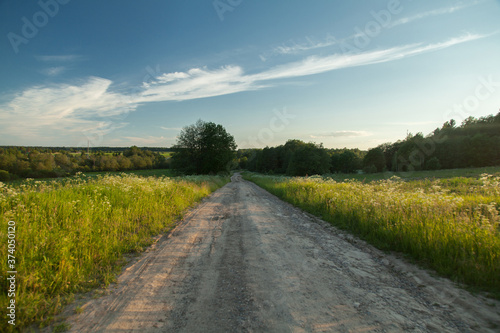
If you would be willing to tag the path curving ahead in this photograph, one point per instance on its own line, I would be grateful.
(245, 261)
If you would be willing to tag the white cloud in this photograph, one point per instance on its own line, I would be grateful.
(197, 83)
(201, 83)
(53, 71)
(72, 108)
(65, 110)
(315, 65)
(59, 58)
(440, 11)
(90, 98)
(310, 45)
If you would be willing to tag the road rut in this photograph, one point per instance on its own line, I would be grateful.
(245, 261)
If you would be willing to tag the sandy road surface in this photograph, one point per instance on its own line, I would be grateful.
(244, 261)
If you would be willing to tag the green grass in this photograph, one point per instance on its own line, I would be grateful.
(417, 175)
(167, 154)
(144, 173)
(71, 235)
(93, 174)
(448, 224)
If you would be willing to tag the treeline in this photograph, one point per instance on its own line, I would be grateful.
(475, 143)
(297, 158)
(28, 162)
(100, 149)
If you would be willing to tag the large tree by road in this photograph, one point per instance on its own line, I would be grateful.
(204, 148)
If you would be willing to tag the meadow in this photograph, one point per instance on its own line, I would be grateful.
(71, 234)
(448, 224)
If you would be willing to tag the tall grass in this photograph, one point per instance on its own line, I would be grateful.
(71, 236)
(450, 225)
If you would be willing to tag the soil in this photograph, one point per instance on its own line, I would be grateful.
(245, 261)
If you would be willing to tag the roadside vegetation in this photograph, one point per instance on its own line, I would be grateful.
(71, 235)
(451, 225)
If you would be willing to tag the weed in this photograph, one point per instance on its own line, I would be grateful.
(71, 235)
(450, 225)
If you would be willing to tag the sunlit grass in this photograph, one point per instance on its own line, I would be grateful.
(450, 225)
(71, 235)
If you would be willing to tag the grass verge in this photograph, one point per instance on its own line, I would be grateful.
(71, 236)
(450, 225)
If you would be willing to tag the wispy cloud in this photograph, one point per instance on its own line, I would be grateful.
(435, 12)
(59, 58)
(340, 134)
(197, 83)
(170, 128)
(91, 102)
(301, 47)
(53, 71)
(201, 83)
(58, 63)
(68, 110)
(316, 65)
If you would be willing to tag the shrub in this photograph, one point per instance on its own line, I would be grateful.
(433, 164)
(4, 175)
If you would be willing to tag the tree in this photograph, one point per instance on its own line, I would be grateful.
(310, 159)
(4, 175)
(433, 164)
(375, 157)
(204, 148)
(349, 161)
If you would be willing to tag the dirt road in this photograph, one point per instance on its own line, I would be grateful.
(244, 261)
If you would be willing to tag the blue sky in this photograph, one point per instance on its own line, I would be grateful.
(349, 74)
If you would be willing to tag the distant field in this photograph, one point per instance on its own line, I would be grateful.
(167, 154)
(447, 220)
(71, 234)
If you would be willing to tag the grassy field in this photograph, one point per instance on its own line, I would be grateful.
(94, 174)
(71, 235)
(450, 224)
(418, 175)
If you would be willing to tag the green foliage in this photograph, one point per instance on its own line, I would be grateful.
(71, 235)
(4, 175)
(295, 157)
(44, 163)
(346, 161)
(374, 158)
(433, 164)
(370, 169)
(204, 148)
(450, 225)
(309, 159)
(475, 143)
